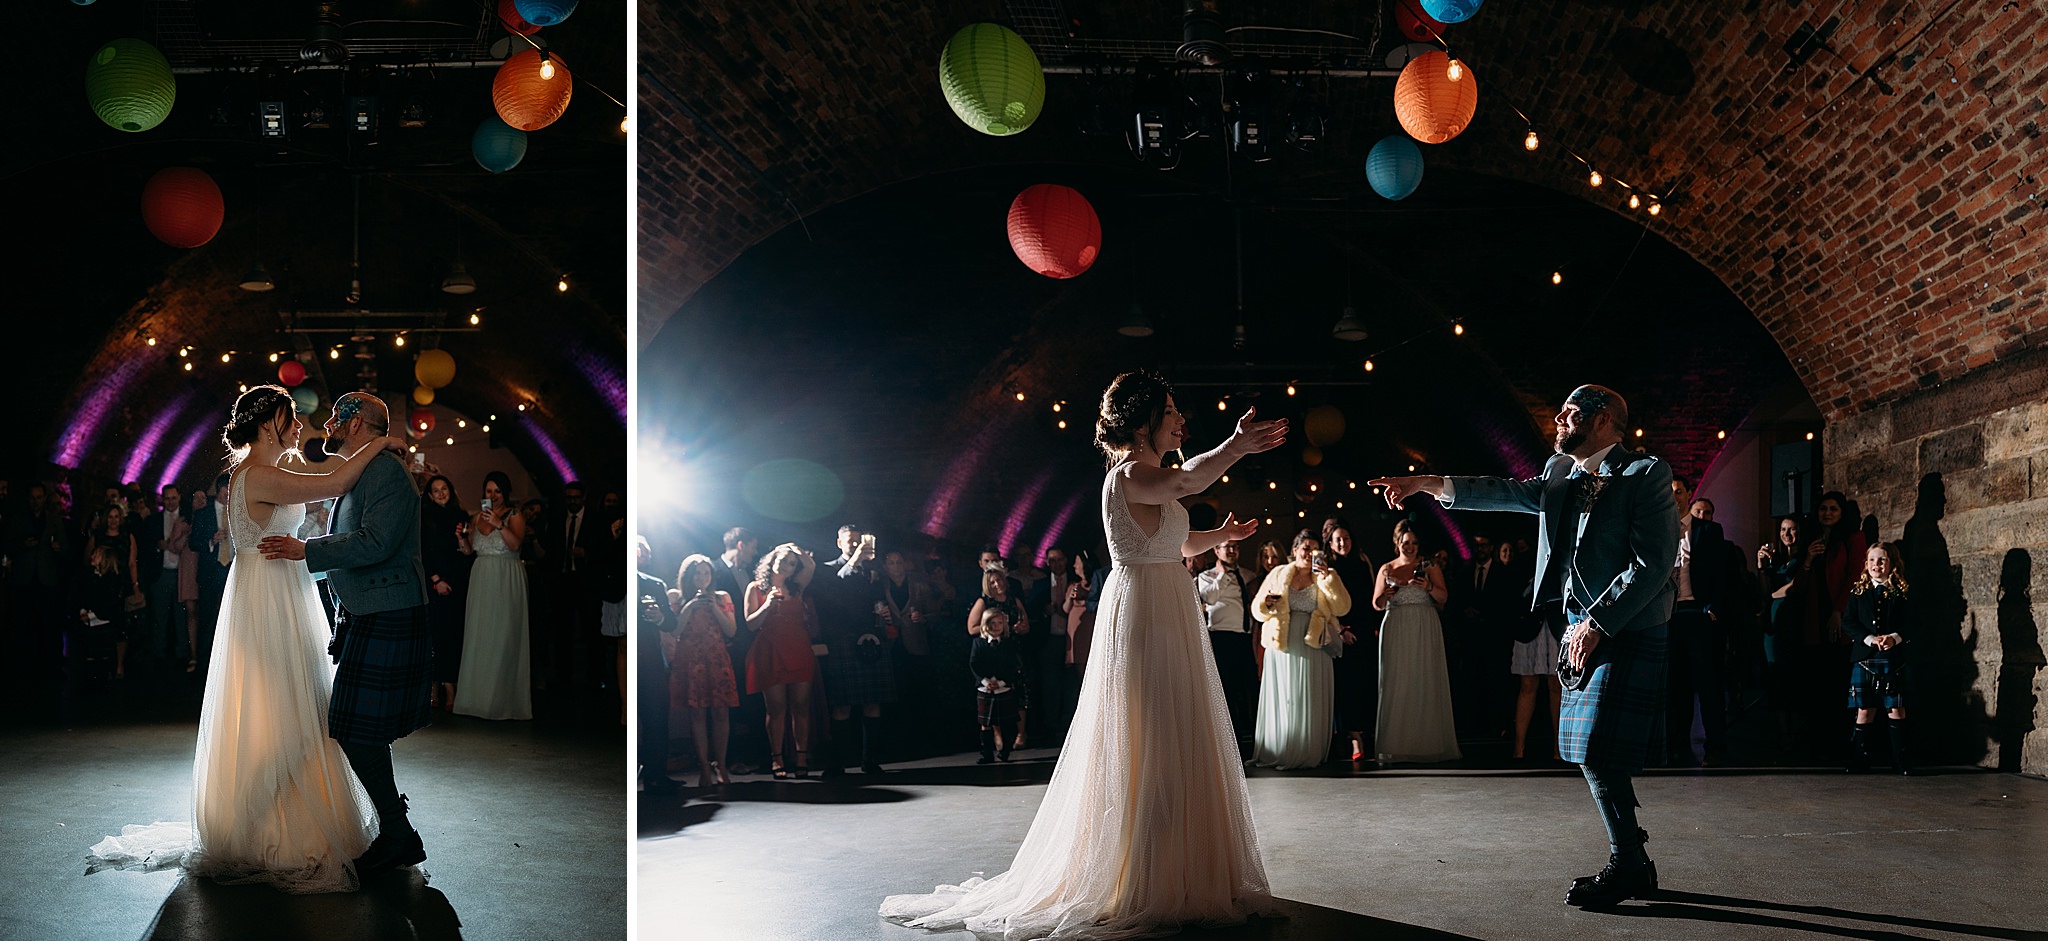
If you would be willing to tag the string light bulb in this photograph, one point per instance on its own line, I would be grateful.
(547, 67)
(1656, 208)
(1020, 396)
(475, 320)
(622, 123)
(1222, 406)
(188, 368)
(1275, 485)
(1055, 406)
(1595, 178)
(334, 353)
(1226, 478)
(184, 352)
(1063, 424)
(1721, 436)
(1457, 329)
(228, 357)
(1368, 365)
(151, 341)
(1455, 71)
(451, 440)
(1634, 201)
(398, 340)
(1290, 388)
(562, 285)
(1639, 432)
(1352, 485)
(1557, 277)
(273, 357)
(1809, 435)
(1530, 142)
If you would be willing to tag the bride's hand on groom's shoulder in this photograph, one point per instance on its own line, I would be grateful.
(393, 443)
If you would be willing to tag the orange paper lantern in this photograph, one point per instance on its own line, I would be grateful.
(1430, 106)
(182, 207)
(1054, 230)
(524, 99)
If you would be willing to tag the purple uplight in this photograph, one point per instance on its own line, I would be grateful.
(607, 380)
(1060, 521)
(554, 451)
(1013, 524)
(193, 439)
(94, 405)
(954, 482)
(145, 447)
(1463, 546)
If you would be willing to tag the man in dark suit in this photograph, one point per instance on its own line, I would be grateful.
(731, 570)
(1607, 539)
(210, 540)
(575, 560)
(1699, 640)
(651, 603)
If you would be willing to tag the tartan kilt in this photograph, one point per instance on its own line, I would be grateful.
(857, 675)
(1877, 683)
(381, 685)
(1617, 720)
(997, 710)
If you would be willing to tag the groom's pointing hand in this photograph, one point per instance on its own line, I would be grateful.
(282, 547)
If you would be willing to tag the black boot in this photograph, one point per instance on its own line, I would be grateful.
(1643, 836)
(988, 747)
(1898, 731)
(1616, 883)
(1859, 750)
(835, 751)
(397, 843)
(870, 744)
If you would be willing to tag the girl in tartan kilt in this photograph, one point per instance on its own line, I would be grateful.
(1878, 621)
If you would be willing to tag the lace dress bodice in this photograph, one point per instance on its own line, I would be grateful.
(493, 543)
(284, 519)
(1128, 544)
(1411, 594)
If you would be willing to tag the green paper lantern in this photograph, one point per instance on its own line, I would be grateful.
(130, 85)
(992, 79)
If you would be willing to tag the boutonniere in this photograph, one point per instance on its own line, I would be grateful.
(1595, 485)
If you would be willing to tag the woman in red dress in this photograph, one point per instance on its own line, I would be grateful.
(700, 667)
(780, 665)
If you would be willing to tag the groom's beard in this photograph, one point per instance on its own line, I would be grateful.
(1568, 441)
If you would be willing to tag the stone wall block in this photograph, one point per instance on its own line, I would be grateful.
(1952, 450)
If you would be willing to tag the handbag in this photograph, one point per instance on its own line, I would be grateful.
(134, 603)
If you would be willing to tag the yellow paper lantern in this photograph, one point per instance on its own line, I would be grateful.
(434, 369)
(421, 395)
(1312, 455)
(1324, 425)
(1432, 107)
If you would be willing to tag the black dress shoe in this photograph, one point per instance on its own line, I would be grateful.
(390, 852)
(872, 767)
(1613, 885)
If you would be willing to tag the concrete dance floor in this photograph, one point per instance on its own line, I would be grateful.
(524, 824)
(1405, 853)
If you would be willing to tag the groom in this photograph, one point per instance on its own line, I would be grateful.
(1608, 537)
(382, 643)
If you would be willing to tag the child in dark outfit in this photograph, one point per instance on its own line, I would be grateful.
(999, 696)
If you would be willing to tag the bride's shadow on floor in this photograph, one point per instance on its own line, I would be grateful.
(1302, 921)
(398, 904)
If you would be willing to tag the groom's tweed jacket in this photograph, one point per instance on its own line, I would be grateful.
(1620, 551)
(371, 558)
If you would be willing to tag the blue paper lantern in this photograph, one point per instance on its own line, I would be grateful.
(305, 400)
(550, 12)
(130, 85)
(1394, 167)
(1451, 11)
(498, 146)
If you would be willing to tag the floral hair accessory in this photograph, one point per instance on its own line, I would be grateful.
(347, 407)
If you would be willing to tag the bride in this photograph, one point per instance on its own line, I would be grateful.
(273, 800)
(1146, 825)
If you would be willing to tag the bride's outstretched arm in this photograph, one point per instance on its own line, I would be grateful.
(1204, 540)
(1157, 485)
(279, 487)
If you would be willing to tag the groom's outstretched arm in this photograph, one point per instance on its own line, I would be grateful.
(389, 514)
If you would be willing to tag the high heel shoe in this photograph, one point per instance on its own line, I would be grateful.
(803, 768)
(776, 769)
(718, 772)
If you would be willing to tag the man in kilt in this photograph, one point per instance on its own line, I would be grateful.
(1608, 538)
(382, 643)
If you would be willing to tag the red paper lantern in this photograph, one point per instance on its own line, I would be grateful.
(1430, 106)
(1415, 24)
(291, 372)
(182, 207)
(508, 14)
(1054, 231)
(421, 422)
(524, 99)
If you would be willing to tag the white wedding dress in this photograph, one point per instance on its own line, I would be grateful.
(1146, 825)
(273, 798)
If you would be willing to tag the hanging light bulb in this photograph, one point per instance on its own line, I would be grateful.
(1055, 406)
(1455, 71)
(1634, 201)
(334, 353)
(1457, 329)
(1272, 485)
(1557, 277)
(151, 341)
(1368, 365)
(622, 124)
(184, 352)
(562, 285)
(462, 423)
(1656, 208)
(474, 320)
(1222, 405)
(188, 368)
(399, 340)
(1595, 178)
(1063, 424)
(273, 357)
(1226, 478)
(1290, 388)
(1530, 142)
(227, 357)
(1020, 396)
(1721, 436)
(547, 67)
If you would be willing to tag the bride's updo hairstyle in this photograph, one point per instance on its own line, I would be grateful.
(253, 410)
(1134, 402)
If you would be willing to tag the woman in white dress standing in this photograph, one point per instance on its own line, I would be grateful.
(1146, 824)
(495, 681)
(1415, 721)
(1298, 606)
(273, 799)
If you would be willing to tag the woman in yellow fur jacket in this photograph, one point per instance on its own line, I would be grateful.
(1297, 607)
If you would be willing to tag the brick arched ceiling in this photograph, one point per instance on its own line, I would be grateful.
(91, 284)
(1859, 176)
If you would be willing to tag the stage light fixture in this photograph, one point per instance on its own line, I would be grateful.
(270, 123)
